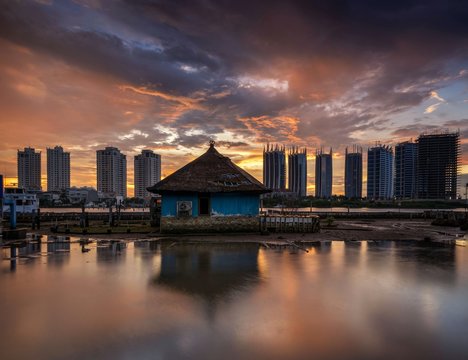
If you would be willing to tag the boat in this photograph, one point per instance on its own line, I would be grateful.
(26, 203)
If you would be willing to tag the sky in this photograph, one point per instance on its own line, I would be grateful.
(171, 75)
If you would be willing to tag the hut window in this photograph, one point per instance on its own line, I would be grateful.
(204, 204)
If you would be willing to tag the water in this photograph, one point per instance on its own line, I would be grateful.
(338, 301)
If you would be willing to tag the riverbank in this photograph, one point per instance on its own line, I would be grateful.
(372, 230)
(342, 230)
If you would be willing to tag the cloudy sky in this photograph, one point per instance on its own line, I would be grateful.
(170, 75)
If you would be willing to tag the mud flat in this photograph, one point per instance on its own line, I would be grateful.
(341, 230)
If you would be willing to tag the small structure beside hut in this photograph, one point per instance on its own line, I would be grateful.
(209, 194)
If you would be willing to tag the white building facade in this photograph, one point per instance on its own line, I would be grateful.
(29, 169)
(147, 170)
(111, 172)
(58, 169)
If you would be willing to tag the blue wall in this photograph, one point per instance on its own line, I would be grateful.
(234, 204)
(221, 203)
(169, 203)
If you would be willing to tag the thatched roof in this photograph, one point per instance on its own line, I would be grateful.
(211, 172)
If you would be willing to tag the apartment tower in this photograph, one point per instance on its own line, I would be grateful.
(147, 172)
(29, 169)
(58, 169)
(111, 172)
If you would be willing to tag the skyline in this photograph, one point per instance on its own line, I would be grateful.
(169, 77)
(267, 149)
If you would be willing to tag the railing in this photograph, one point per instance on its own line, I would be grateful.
(289, 223)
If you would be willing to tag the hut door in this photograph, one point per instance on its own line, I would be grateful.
(204, 206)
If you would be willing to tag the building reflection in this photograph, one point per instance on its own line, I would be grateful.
(58, 253)
(352, 252)
(30, 248)
(146, 250)
(210, 272)
(54, 247)
(110, 251)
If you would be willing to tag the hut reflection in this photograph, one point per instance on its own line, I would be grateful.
(211, 272)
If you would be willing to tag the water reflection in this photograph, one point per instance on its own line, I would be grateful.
(367, 300)
(427, 263)
(110, 252)
(59, 252)
(208, 271)
(29, 249)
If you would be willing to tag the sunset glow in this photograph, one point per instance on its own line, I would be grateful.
(170, 77)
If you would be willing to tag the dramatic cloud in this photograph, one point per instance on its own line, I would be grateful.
(171, 75)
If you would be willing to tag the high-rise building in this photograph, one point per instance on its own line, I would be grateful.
(29, 169)
(353, 173)
(380, 172)
(323, 174)
(58, 169)
(147, 172)
(437, 168)
(274, 167)
(406, 156)
(112, 172)
(297, 171)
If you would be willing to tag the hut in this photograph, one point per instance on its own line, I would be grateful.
(209, 194)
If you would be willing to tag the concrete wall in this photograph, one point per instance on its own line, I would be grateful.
(209, 224)
(221, 204)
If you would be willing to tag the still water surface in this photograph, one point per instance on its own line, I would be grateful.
(340, 301)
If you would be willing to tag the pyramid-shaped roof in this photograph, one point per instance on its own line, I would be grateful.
(211, 172)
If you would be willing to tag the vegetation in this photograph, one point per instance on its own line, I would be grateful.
(341, 201)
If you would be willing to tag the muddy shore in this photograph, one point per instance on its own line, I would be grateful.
(342, 230)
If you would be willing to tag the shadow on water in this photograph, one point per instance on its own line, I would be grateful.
(436, 263)
(210, 272)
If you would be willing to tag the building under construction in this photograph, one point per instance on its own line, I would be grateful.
(323, 174)
(406, 160)
(380, 172)
(274, 167)
(353, 173)
(297, 171)
(438, 165)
